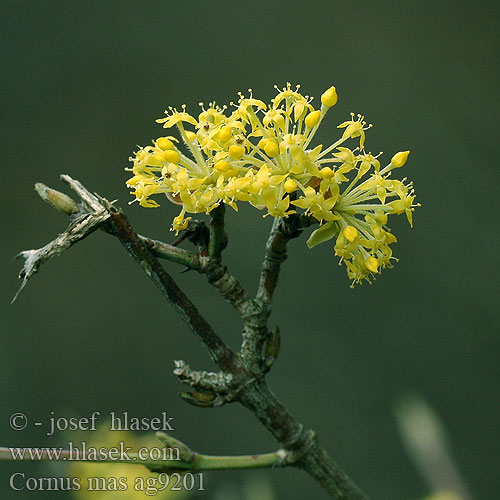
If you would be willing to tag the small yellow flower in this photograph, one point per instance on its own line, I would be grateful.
(179, 223)
(175, 118)
(315, 204)
(404, 205)
(355, 128)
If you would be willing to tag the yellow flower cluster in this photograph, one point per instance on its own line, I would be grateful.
(261, 154)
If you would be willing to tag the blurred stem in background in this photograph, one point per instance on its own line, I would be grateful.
(427, 444)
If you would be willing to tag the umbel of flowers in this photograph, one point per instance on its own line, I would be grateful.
(262, 154)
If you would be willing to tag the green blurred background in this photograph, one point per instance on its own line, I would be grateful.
(82, 83)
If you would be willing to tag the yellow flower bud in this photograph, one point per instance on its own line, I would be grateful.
(171, 156)
(236, 152)
(262, 143)
(290, 185)
(271, 149)
(130, 182)
(279, 121)
(164, 143)
(211, 144)
(371, 264)
(326, 173)
(350, 233)
(313, 118)
(222, 166)
(191, 136)
(225, 134)
(329, 97)
(399, 159)
(298, 110)
(231, 173)
(149, 189)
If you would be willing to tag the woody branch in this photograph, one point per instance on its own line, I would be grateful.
(242, 375)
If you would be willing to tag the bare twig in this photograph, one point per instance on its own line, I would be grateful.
(172, 253)
(282, 231)
(183, 458)
(227, 285)
(255, 331)
(302, 446)
(101, 211)
(219, 352)
(218, 236)
(78, 229)
(202, 380)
